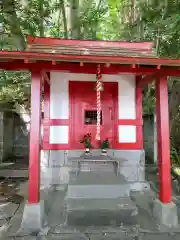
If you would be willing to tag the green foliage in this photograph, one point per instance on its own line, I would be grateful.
(175, 160)
(158, 22)
(14, 87)
(175, 156)
(149, 100)
(86, 140)
(90, 19)
(104, 144)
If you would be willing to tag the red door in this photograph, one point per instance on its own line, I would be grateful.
(84, 114)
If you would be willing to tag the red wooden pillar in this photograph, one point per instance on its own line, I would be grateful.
(34, 148)
(165, 191)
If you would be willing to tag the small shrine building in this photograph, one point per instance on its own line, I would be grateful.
(94, 87)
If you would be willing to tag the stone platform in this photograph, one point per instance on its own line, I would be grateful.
(98, 194)
(93, 185)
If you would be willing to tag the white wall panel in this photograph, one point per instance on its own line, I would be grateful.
(92, 77)
(127, 134)
(59, 96)
(126, 97)
(59, 102)
(59, 134)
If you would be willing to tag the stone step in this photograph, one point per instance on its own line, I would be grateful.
(93, 212)
(97, 178)
(101, 185)
(91, 185)
(98, 191)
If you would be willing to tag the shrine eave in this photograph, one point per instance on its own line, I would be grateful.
(8, 56)
(17, 60)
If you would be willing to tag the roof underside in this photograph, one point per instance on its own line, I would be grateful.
(66, 50)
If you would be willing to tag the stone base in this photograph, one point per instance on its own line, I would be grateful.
(101, 212)
(166, 214)
(34, 219)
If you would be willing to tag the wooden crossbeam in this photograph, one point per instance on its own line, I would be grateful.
(45, 76)
(149, 78)
(76, 67)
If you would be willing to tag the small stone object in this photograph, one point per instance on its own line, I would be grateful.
(122, 205)
(1, 28)
(104, 146)
(87, 151)
(8, 194)
(104, 152)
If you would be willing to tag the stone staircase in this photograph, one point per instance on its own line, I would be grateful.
(97, 194)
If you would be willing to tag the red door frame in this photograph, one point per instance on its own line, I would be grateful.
(73, 124)
(68, 122)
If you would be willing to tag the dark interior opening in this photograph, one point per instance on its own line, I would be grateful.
(90, 117)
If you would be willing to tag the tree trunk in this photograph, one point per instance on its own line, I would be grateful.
(174, 102)
(41, 18)
(75, 21)
(10, 17)
(64, 18)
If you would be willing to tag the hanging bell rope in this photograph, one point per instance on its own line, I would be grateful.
(98, 101)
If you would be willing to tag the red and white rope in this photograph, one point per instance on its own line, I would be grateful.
(98, 101)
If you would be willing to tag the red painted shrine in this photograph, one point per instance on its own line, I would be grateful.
(66, 71)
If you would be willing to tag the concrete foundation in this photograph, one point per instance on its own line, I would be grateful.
(166, 214)
(34, 219)
(100, 196)
(55, 165)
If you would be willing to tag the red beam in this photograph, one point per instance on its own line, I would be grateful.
(162, 114)
(49, 146)
(143, 81)
(89, 68)
(56, 122)
(34, 149)
(33, 56)
(136, 122)
(45, 76)
(76, 68)
(128, 146)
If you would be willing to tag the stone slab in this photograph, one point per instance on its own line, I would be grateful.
(101, 212)
(114, 235)
(101, 185)
(21, 173)
(96, 178)
(166, 214)
(34, 218)
(98, 191)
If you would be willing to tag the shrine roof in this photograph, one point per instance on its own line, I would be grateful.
(90, 48)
